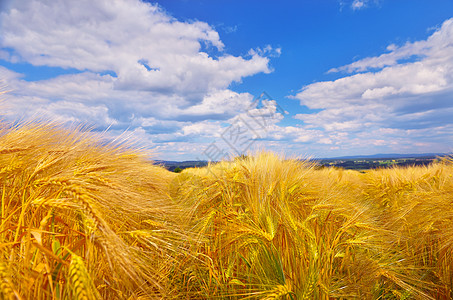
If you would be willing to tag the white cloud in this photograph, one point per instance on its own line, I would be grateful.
(268, 50)
(358, 4)
(167, 82)
(437, 47)
(221, 104)
(406, 92)
(7, 75)
(147, 49)
(204, 128)
(137, 67)
(65, 111)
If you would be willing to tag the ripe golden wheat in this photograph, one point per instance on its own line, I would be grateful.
(82, 218)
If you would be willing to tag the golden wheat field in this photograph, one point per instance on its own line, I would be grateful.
(85, 219)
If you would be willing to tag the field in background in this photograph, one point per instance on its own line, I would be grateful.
(367, 163)
(85, 219)
(347, 163)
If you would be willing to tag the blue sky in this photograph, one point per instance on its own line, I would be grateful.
(181, 77)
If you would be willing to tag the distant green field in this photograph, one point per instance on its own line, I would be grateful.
(372, 163)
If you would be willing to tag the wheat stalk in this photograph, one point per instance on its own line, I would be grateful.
(6, 287)
(82, 285)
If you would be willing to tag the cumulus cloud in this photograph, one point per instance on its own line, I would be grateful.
(146, 49)
(219, 105)
(435, 49)
(130, 66)
(406, 91)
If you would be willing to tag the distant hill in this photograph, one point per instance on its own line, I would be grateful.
(387, 156)
(171, 165)
(337, 161)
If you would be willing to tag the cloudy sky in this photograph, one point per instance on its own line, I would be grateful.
(204, 79)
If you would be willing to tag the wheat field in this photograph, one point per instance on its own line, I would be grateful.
(82, 218)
